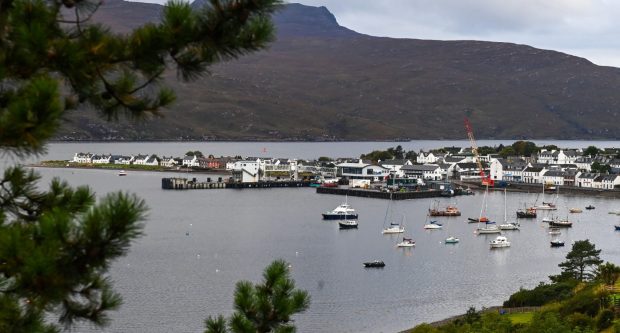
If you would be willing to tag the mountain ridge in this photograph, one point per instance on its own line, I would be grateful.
(322, 81)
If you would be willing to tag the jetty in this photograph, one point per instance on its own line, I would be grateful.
(404, 195)
(193, 184)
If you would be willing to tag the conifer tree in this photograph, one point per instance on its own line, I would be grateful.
(581, 262)
(57, 244)
(265, 307)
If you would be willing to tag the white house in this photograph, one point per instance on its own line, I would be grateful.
(394, 166)
(566, 157)
(496, 168)
(610, 182)
(430, 157)
(140, 159)
(190, 161)
(584, 163)
(82, 158)
(533, 174)
(361, 170)
(586, 180)
(123, 160)
(555, 177)
(101, 159)
(152, 160)
(546, 156)
(167, 162)
(425, 171)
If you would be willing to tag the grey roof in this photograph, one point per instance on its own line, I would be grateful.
(533, 169)
(588, 175)
(554, 173)
(420, 167)
(452, 159)
(609, 178)
(470, 165)
(394, 162)
(572, 153)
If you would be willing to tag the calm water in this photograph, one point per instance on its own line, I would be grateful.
(171, 282)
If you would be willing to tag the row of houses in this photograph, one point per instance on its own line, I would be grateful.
(153, 160)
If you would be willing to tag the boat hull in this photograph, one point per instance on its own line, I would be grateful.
(332, 216)
(526, 215)
(374, 264)
(484, 231)
(561, 224)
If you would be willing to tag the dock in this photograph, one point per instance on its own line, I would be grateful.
(193, 184)
(379, 194)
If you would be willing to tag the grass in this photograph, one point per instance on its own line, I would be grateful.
(521, 318)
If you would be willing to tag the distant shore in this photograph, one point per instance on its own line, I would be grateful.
(128, 168)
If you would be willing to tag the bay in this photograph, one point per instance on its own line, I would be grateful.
(198, 244)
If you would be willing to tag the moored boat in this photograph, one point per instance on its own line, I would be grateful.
(576, 210)
(449, 211)
(347, 224)
(451, 240)
(122, 173)
(374, 264)
(589, 207)
(394, 228)
(407, 242)
(527, 213)
(561, 223)
(509, 226)
(557, 243)
(342, 212)
(554, 231)
(431, 225)
(617, 227)
(499, 242)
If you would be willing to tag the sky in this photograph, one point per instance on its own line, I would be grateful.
(584, 28)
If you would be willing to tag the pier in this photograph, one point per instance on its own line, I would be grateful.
(379, 194)
(193, 184)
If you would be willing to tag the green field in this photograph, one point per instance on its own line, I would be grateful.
(521, 318)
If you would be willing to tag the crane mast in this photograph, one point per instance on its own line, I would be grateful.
(486, 180)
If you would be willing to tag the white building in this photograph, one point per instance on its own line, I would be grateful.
(610, 182)
(190, 161)
(167, 162)
(82, 158)
(425, 172)
(555, 177)
(586, 180)
(394, 166)
(126, 160)
(361, 170)
(533, 175)
(246, 171)
(101, 159)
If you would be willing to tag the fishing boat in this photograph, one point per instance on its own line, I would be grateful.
(451, 240)
(576, 210)
(448, 211)
(526, 213)
(342, 212)
(374, 264)
(508, 225)
(499, 242)
(561, 223)
(122, 173)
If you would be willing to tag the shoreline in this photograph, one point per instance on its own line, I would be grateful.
(188, 171)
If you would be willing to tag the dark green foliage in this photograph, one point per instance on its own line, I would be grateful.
(579, 320)
(525, 148)
(605, 319)
(600, 168)
(196, 153)
(264, 307)
(377, 155)
(542, 294)
(507, 151)
(581, 261)
(591, 151)
(324, 159)
(56, 245)
(585, 301)
(608, 273)
(486, 150)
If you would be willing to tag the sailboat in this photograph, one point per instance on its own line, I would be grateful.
(451, 239)
(392, 228)
(508, 225)
(546, 205)
(406, 242)
(490, 227)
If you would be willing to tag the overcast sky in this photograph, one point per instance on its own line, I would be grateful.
(585, 28)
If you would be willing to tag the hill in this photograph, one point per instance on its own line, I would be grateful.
(322, 81)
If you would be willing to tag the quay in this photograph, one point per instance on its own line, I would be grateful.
(537, 188)
(380, 194)
(193, 184)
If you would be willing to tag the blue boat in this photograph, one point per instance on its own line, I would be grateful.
(617, 226)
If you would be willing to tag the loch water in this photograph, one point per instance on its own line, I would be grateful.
(199, 243)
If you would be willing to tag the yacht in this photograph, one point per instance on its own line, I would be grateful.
(342, 212)
(500, 241)
(561, 223)
(451, 240)
(394, 228)
(347, 224)
(407, 242)
(509, 226)
(431, 225)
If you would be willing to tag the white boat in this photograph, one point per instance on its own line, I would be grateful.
(547, 219)
(508, 225)
(555, 231)
(342, 212)
(499, 242)
(451, 240)
(575, 210)
(122, 173)
(432, 225)
(546, 205)
(493, 229)
(489, 226)
(347, 224)
(407, 242)
(393, 229)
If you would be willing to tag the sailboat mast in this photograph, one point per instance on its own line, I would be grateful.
(505, 219)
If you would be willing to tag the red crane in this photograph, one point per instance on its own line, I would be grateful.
(486, 180)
